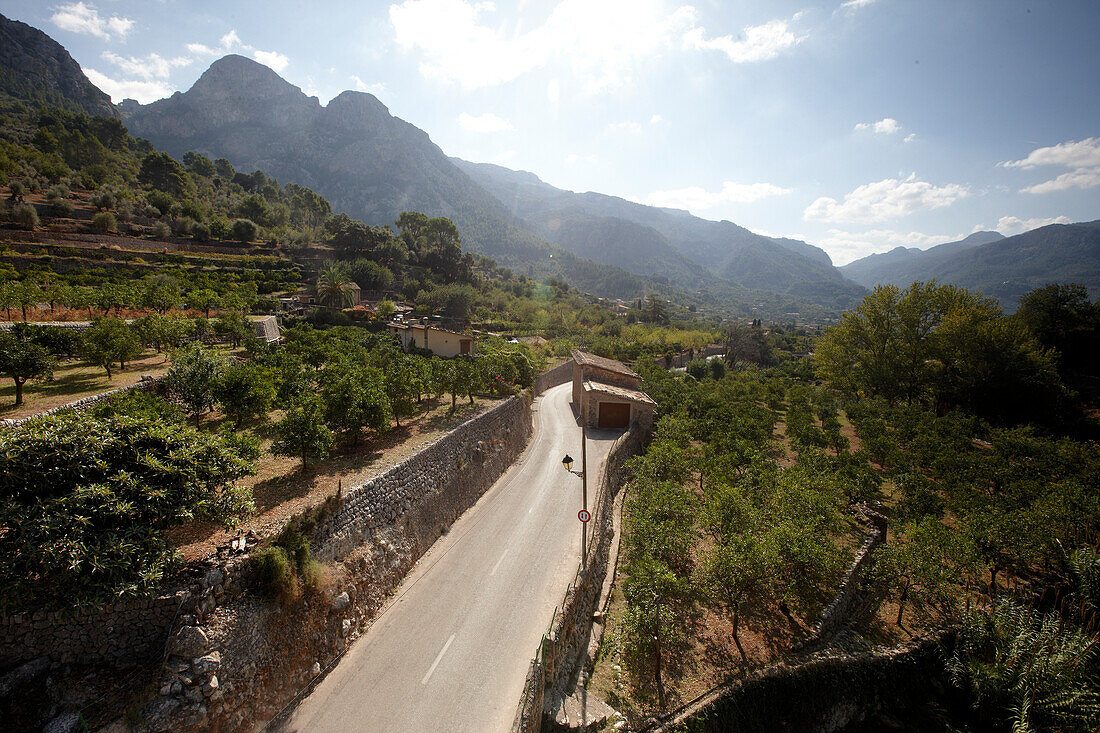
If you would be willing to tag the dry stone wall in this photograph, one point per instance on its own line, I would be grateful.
(832, 693)
(834, 614)
(129, 632)
(268, 654)
(560, 374)
(420, 497)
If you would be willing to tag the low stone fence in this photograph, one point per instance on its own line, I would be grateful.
(561, 648)
(825, 694)
(560, 374)
(837, 610)
(85, 403)
(807, 678)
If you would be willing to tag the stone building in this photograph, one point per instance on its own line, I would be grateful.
(439, 341)
(607, 392)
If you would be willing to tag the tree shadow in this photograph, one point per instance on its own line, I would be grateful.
(274, 491)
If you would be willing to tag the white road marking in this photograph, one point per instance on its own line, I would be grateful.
(497, 566)
(438, 659)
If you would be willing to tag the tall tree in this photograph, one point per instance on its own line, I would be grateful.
(110, 340)
(22, 360)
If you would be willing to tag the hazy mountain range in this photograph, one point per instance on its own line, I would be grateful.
(373, 166)
(1001, 267)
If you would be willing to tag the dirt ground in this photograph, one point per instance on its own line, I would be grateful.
(74, 380)
(281, 488)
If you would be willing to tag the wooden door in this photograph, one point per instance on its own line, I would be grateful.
(614, 415)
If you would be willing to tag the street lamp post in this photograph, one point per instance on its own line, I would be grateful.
(583, 473)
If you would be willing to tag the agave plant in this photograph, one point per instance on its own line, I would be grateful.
(1026, 671)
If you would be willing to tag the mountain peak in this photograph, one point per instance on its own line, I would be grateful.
(241, 76)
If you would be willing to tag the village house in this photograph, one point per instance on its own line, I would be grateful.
(608, 393)
(439, 341)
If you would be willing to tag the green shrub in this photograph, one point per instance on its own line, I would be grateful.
(142, 405)
(273, 574)
(315, 577)
(105, 222)
(87, 502)
(24, 216)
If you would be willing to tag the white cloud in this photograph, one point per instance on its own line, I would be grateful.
(910, 137)
(232, 42)
(624, 128)
(487, 122)
(361, 86)
(657, 120)
(1072, 154)
(144, 91)
(504, 157)
(571, 158)
(852, 5)
(226, 43)
(885, 199)
(81, 18)
(274, 59)
(885, 126)
(696, 198)
(1082, 156)
(1080, 178)
(152, 66)
(755, 43)
(1009, 225)
(602, 41)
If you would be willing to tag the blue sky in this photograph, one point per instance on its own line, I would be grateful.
(857, 125)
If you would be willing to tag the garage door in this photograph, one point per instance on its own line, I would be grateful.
(614, 415)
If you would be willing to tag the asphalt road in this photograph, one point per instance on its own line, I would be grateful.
(452, 649)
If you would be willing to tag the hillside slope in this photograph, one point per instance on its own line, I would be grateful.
(903, 265)
(367, 162)
(1003, 267)
(33, 66)
(672, 239)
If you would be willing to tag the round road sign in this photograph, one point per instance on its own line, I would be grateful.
(583, 515)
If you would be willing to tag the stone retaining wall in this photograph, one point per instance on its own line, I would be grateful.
(556, 659)
(126, 633)
(440, 482)
(560, 374)
(826, 694)
(837, 610)
(270, 653)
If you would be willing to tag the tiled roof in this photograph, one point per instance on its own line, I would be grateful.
(613, 390)
(585, 359)
(406, 326)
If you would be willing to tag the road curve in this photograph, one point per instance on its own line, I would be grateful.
(451, 650)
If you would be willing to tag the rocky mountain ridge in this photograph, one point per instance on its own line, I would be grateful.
(34, 66)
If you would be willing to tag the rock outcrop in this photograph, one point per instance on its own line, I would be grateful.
(34, 66)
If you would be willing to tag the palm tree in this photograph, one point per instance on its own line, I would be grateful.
(1026, 671)
(334, 286)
